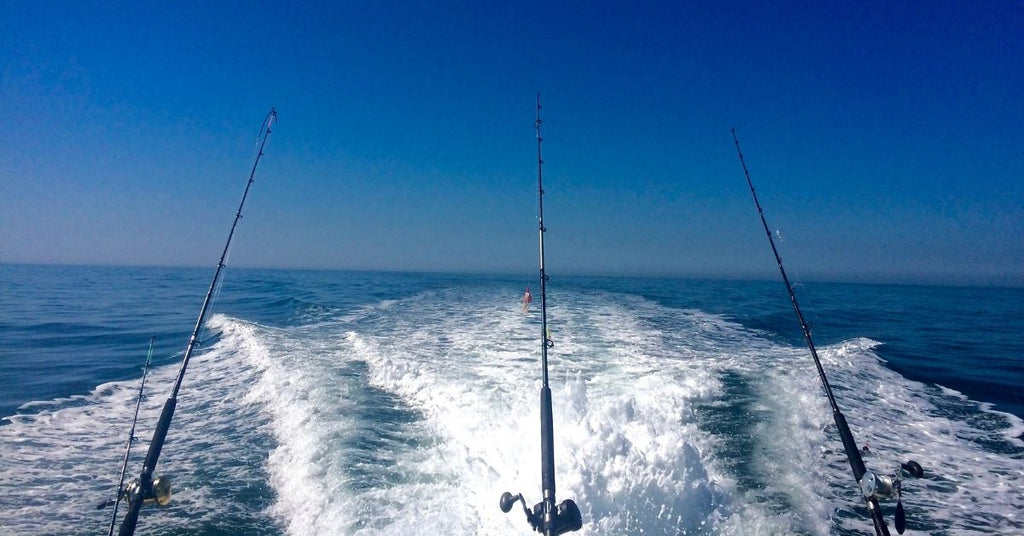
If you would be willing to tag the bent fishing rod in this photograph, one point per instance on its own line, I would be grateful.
(146, 489)
(872, 486)
(546, 517)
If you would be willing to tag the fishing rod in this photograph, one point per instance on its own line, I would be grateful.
(546, 517)
(128, 448)
(872, 486)
(146, 489)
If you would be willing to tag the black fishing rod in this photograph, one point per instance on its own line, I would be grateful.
(145, 488)
(546, 517)
(872, 486)
(128, 448)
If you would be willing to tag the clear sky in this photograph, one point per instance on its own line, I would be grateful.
(884, 139)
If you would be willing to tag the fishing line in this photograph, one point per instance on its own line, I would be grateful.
(204, 333)
(258, 152)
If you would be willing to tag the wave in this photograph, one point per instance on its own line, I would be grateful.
(62, 457)
(406, 417)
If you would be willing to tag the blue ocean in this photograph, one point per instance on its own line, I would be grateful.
(389, 403)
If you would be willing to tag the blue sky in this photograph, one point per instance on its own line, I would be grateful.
(885, 140)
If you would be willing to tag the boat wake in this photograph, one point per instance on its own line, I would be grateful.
(409, 417)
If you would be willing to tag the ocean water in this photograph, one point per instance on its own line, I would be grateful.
(381, 403)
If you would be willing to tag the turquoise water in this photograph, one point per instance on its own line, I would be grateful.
(380, 403)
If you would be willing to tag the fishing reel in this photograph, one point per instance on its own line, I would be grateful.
(159, 492)
(565, 518)
(888, 487)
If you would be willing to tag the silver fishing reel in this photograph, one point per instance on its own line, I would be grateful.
(882, 486)
(889, 487)
(159, 493)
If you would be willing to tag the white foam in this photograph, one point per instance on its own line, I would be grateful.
(290, 388)
(62, 460)
(625, 448)
(637, 388)
(902, 419)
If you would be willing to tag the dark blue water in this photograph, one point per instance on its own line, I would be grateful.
(340, 402)
(66, 329)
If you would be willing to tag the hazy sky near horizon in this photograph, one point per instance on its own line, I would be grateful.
(885, 140)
